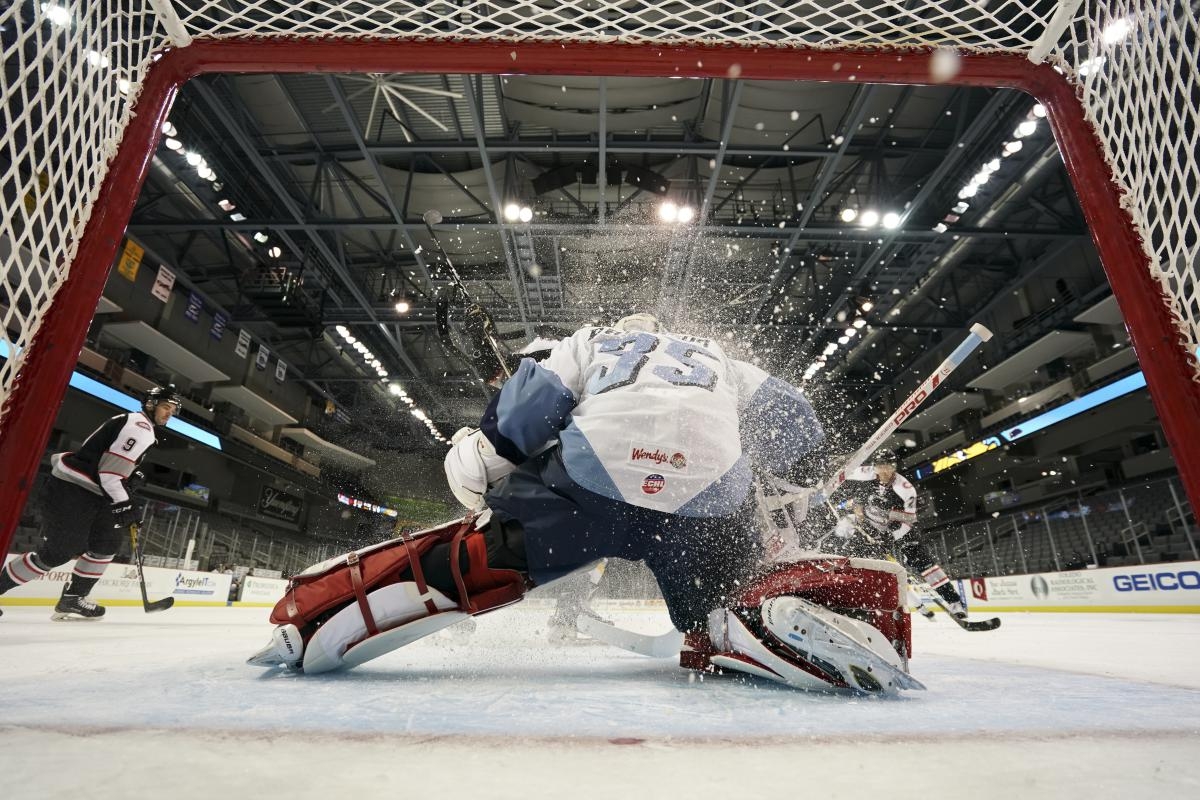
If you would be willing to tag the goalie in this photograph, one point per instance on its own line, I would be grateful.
(626, 442)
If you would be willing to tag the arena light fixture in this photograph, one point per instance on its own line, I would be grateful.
(173, 144)
(402, 307)
(685, 215)
(860, 322)
(869, 219)
(1027, 128)
(891, 220)
(512, 212)
(261, 237)
(849, 214)
(275, 252)
(668, 211)
(525, 214)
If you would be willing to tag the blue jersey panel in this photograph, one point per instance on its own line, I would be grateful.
(779, 426)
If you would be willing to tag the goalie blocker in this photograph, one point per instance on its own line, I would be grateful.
(826, 623)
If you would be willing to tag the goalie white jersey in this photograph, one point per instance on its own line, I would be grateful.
(658, 420)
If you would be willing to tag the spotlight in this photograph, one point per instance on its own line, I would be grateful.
(525, 214)
(869, 219)
(849, 214)
(512, 212)
(668, 212)
(685, 214)
(402, 307)
(891, 220)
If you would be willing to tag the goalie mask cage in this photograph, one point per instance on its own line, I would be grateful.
(88, 84)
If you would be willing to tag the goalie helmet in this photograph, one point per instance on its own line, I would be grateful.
(162, 394)
(638, 322)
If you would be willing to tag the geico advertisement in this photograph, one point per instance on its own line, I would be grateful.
(119, 585)
(261, 590)
(1173, 586)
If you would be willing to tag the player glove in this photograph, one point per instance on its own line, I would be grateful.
(123, 514)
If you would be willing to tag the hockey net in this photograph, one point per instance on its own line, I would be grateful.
(80, 124)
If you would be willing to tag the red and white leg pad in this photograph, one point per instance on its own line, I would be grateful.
(789, 626)
(356, 607)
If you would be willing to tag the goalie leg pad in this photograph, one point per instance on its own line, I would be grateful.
(394, 609)
(353, 608)
(784, 627)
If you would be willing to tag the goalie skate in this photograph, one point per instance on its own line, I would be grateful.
(804, 645)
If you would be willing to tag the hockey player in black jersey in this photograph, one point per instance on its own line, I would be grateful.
(87, 508)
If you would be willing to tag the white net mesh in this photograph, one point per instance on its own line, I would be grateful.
(71, 70)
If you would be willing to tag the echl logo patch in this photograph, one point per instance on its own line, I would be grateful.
(653, 484)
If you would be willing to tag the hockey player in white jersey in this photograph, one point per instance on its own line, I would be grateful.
(626, 442)
(87, 508)
(889, 514)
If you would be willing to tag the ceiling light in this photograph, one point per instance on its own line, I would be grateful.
(869, 219)
(226, 205)
(891, 220)
(830, 349)
(1115, 31)
(261, 237)
(843, 339)
(349, 339)
(1012, 147)
(173, 144)
(237, 217)
(402, 307)
(168, 128)
(342, 330)
(275, 252)
(1027, 128)
(525, 214)
(860, 322)
(685, 215)
(668, 212)
(1039, 111)
(967, 191)
(192, 158)
(866, 305)
(940, 227)
(57, 14)
(512, 212)
(851, 332)
(849, 214)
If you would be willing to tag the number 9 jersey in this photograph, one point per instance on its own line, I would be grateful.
(658, 420)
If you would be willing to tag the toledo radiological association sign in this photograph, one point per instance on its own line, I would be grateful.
(280, 505)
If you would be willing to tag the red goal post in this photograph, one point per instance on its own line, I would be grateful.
(88, 84)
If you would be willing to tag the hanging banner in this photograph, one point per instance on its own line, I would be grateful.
(281, 371)
(194, 306)
(260, 360)
(218, 326)
(278, 504)
(163, 284)
(243, 344)
(131, 260)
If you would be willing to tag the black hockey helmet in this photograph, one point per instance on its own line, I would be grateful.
(885, 455)
(162, 394)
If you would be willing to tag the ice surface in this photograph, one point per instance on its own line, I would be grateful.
(140, 705)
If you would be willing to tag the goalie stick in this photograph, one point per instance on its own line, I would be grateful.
(665, 645)
(477, 315)
(147, 606)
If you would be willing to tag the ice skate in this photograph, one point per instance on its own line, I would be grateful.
(73, 607)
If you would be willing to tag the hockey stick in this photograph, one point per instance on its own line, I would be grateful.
(666, 645)
(979, 334)
(434, 217)
(791, 493)
(147, 606)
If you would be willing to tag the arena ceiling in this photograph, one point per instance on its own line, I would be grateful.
(327, 178)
